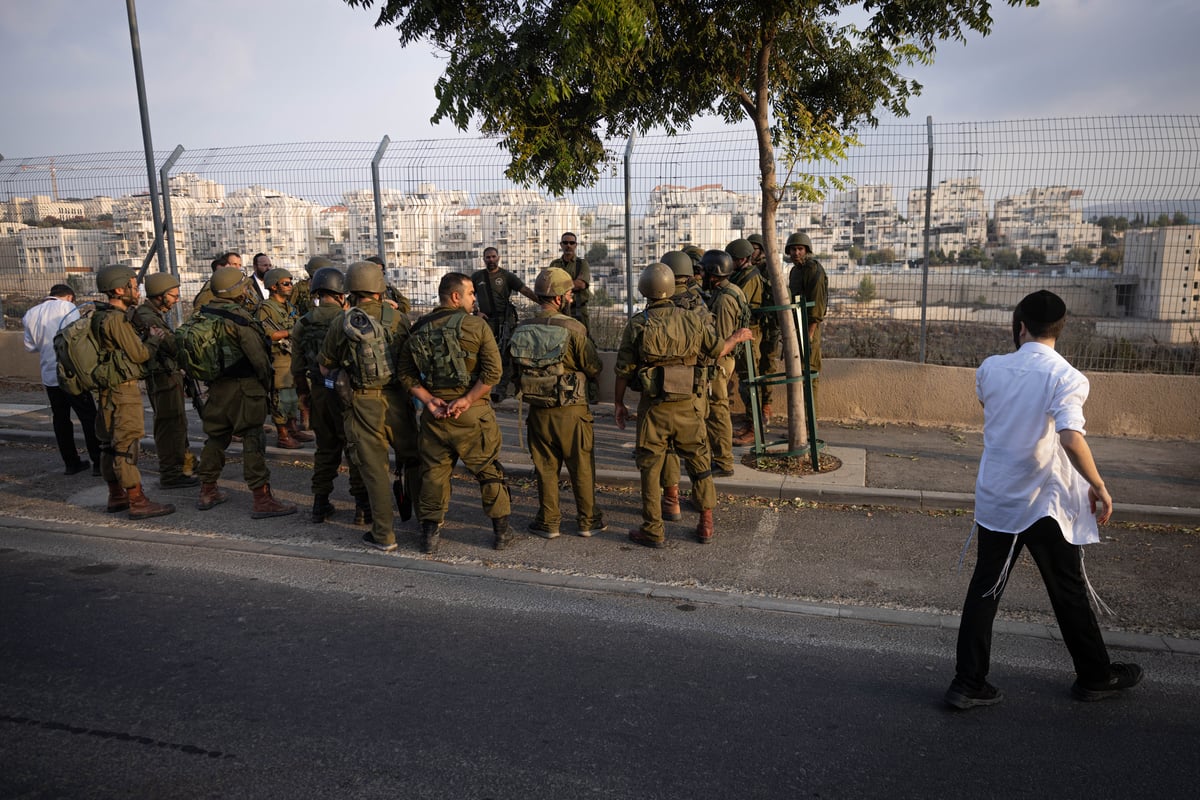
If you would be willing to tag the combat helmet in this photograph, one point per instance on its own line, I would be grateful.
(657, 282)
(114, 277)
(680, 263)
(328, 279)
(756, 238)
(228, 283)
(365, 276)
(739, 248)
(315, 263)
(552, 282)
(717, 263)
(798, 238)
(276, 275)
(160, 283)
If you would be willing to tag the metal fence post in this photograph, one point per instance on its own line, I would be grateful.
(629, 227)
(147, 139)
(169, 222)
(383, 146)
(925, 264)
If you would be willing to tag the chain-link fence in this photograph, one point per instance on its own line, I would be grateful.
(1099, 210)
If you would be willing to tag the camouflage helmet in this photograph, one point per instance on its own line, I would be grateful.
(740, 248)
(679, 262)
(160, 283)
(276, 275)
(110, 279)
(717, 263)
(657, 282)
(328, 279)
(798, 238)
(228, 282)
(553, 282)
(315, 263)
(694, 253)
(756, 238)
(365, 276)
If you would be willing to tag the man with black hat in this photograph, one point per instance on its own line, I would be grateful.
(1038, 487)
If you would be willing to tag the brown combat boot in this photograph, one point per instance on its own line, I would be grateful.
(265, 505)
(285, 439)
(142, 507)
(118, 498)
(210, 496)
(298, 432)
(766, 413)
(704, 529)
(670, 504)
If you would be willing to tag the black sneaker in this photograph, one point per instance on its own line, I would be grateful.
(75, 469)
(960, 697)
(637, 536)
(178, 482)
(1120, 678)
(95, 469)
(594, 528)
(543, 530)
(369, 540)
(721, 472)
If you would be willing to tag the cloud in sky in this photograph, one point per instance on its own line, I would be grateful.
(230, 72)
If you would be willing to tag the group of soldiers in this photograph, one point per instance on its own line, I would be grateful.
(337, 354)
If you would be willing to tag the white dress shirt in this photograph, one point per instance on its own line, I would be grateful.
(41, 323)
(1025, 474)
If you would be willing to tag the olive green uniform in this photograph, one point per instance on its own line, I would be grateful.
(754, 288)
(248, 300)
(301, 298)
(326, 416)
(164, 387)
(730, 312)
(579, 270)
(276, 316)
(380, 416)
(120, 423)
(237, 400)
(493, 293)
(689, 297)
(807, 281)
(564, 433)
(475, 436)
(664, 423)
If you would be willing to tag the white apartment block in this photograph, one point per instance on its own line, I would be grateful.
(53, 254)
(1166, 262)
(526, 229)
(1048, 218)
(39, 207)
(957, 218)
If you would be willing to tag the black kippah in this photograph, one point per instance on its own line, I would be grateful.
(1042, 308)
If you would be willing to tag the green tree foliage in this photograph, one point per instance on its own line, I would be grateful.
(1110, 257)
(866, 290)
(885, 255)
(1006, 259)
(1032, 255)
(973, 256)
(597, 253)
(855, 253)
(1180, 218)
(552, 79)
(1079, 255)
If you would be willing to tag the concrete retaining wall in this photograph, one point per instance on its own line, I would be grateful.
(1121, 404)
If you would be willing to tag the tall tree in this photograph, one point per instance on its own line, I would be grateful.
(554, 78)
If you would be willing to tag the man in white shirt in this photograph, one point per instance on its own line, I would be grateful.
(41, 323)
(1038, 487)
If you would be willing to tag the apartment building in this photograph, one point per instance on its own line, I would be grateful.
(1048, 218)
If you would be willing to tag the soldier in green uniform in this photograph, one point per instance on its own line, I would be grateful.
(494, 288)
(730, 312)
(753, 285)
(450, 363)
(205, 295)
(327, 287)
(378, 413)
(237, 400)
(164, 382)
(391, 295)
(302, 294)
(553, 362)
(659, 349)
(808, 282)
(768, 321)
(278, 315)
(581, 276)
(120, 423)
(689, 297)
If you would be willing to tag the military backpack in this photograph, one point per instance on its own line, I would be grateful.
(204, 348)
(670, 350)
(83, 365)
(538, 349)
(369, 358)
(438, 354)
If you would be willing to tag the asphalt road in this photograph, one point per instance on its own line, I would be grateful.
(140, 669)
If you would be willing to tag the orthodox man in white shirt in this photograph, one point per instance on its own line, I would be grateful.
(1038, 488)
(41, 322)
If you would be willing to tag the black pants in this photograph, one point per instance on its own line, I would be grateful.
(1060, 563)
(61, 406)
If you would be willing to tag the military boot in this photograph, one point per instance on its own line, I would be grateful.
(142, 507)
(265, 504)
(431, 534)
(670, 504)
(504, 535)
(362, 511)
(285, 439)
(704, 530)
(322, 509)
(210, 496)
(118, 498)
(298, 433)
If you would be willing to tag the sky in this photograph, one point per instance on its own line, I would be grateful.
(239, 72)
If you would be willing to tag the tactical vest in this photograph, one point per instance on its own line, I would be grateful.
(369, 358)
(438, 354)
(670, 349)
(312, 338)
(538, 350)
